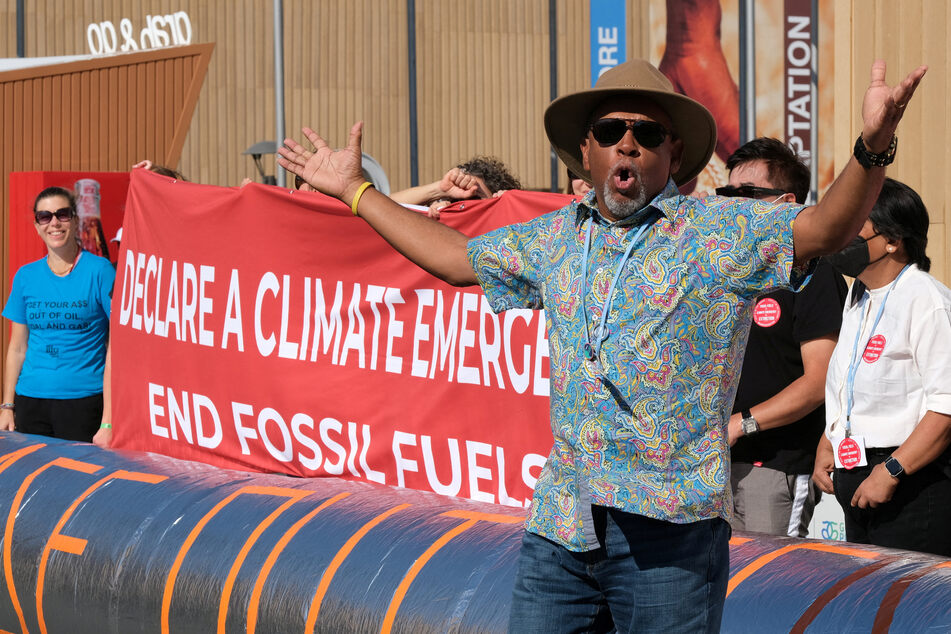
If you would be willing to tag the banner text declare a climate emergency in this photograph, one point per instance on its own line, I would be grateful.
(340, 329)
(451, 336)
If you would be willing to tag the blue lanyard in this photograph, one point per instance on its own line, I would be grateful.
(855, 361)
(592, 351)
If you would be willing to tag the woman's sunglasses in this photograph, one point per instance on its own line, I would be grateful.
(747, 191)
(609, 131)
(45, 217)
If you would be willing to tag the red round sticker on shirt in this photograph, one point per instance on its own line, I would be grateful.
(849, 453)
(873, 349)
(766, 313)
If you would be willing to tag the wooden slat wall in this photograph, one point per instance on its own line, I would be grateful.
(904, 34)
(473, 66)
(482, 74)
(347, 60)
(8, 29)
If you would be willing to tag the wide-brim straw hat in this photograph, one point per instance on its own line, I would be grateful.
(566, 119)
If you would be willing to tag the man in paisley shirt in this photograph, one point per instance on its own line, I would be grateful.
(648, 297)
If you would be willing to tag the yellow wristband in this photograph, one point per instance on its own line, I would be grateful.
(106, 426)
(358, 195)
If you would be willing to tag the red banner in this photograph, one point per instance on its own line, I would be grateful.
(267, 329)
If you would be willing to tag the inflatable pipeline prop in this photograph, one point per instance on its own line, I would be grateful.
(101, 541)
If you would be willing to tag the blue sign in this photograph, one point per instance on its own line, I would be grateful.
(608, 35)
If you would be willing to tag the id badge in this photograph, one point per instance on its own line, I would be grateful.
(850, 452)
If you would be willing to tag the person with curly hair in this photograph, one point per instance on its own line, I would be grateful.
(479, 177)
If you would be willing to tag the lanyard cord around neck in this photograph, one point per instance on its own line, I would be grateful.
(592, 351)
(855, 361)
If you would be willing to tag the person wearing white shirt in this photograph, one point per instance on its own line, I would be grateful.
(888, 388)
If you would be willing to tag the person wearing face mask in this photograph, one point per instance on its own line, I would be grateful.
(59, 308)
(778, 415)
(888, 390)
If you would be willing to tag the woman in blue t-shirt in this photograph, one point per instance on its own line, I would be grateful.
(59, 309)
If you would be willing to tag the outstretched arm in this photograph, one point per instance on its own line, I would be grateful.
(839, 216)
(431, 245)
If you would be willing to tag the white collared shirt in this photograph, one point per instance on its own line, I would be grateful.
(905, 365)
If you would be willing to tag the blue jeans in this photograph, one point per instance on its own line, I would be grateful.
(648, 576)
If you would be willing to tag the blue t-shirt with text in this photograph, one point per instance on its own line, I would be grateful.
(68, 319)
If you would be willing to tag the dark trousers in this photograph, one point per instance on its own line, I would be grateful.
(648, 576)
(67, 418)
(918, 517)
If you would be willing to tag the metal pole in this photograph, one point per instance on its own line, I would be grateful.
(279, 85)
(413, 129)
(21, 29)
(553, 75)
(747, 71)
(814, 105)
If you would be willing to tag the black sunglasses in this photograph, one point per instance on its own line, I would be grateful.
(45, 217)
(648, 134)
(747, 191)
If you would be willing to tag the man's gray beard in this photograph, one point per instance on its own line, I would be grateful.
(621, 206)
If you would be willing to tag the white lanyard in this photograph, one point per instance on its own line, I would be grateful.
(855, 361)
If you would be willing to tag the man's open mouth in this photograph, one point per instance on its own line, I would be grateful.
(625, 179)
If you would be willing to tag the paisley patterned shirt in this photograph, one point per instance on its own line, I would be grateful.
(643, 427)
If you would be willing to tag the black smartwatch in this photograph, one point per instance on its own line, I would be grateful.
(894, 467)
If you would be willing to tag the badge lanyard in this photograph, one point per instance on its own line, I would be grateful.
(856, 361)
(593, 350)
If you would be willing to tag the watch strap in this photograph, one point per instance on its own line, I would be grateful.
(748, 424)
(894, 468)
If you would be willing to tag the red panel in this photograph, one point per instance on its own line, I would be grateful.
(25, 245)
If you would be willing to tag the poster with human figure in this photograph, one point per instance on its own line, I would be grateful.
(697, 45)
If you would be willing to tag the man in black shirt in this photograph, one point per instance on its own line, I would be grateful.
(779, 413)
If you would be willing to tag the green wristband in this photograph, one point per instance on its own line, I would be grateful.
(106, 426)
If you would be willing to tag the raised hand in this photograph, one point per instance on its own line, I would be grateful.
(460, 185)
(333, 172)
(884, 105)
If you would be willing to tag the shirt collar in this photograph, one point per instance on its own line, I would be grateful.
(664, 202)
(859, 289)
